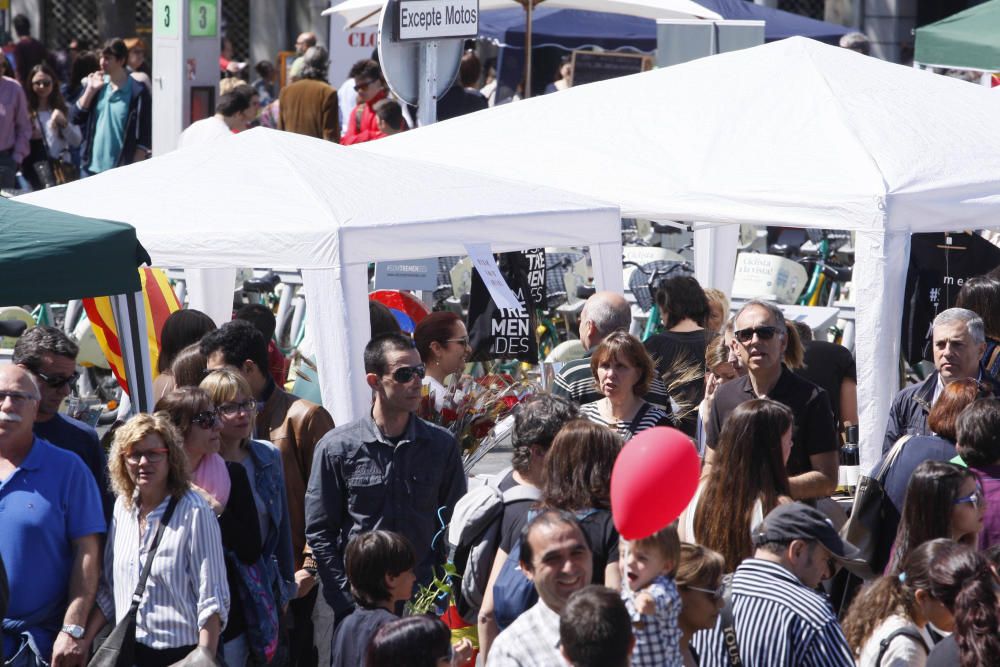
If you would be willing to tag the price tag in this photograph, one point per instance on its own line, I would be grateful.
(167, 18)
(484, 261)
(203, 18)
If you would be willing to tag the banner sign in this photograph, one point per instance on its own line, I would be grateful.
(498, 331)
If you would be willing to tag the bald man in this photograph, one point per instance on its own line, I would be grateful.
(604, 313)
(51, 525)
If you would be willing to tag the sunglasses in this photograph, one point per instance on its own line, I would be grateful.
(714, 593)
(151, 456)
(405, 374)
(358, 87)
(976, 499)
(43, 83)
(205, 419)
(763, 333)
(248, 406)
(464, 341)
(58, 381)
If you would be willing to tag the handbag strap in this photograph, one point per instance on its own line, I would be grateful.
(897, 447)
(41, 130)
(728, 623)
(634, 423)
(141, 588)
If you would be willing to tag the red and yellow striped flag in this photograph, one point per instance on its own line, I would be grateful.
(160, 302)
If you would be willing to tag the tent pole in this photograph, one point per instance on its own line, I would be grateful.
(527, 49)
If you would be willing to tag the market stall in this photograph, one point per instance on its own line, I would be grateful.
(794, 133)
(279, 200)
(966, 40)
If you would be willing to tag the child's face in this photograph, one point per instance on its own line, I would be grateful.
(401, 585)
(642, 564)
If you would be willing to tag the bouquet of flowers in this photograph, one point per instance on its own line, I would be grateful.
(471, 408)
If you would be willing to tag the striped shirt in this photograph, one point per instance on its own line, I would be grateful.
(778, 622)
(187, 583)
(575, 382)
(650, 418)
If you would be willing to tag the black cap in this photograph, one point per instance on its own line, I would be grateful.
(797, 521)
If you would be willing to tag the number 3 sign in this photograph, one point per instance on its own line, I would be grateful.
(203, 18)
(167, 18)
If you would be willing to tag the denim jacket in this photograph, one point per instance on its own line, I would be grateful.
(360, 481)
(269, 483)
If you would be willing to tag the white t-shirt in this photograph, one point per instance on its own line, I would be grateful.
(902, 652)
(204, 131)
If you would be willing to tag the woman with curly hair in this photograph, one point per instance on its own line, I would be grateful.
(187, 599)
(747, 481)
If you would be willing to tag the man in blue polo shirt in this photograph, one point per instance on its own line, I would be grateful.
(50, 355)
(50, 529)
(115, 112)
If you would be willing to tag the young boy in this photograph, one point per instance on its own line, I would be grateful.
(651, 596)
(379, 567)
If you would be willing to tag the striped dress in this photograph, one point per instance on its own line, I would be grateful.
(653, 416)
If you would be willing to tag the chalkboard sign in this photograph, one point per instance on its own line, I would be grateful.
(590, 66)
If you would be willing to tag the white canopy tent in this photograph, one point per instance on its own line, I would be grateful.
(794, 133)
(265, 198)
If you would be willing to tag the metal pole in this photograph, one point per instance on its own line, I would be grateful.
(427, 95)
(527, 50)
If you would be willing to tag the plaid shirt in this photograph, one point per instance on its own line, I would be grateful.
(530, 641)
(657, 637)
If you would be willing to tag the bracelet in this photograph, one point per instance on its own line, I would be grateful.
(310, 565)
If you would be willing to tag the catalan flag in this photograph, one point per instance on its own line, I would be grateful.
(160, 302)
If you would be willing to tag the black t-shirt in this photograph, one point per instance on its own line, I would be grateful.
(827, 365)
(598, 527)
(674, 352)
(813, 428)
(508, 482)
(350, 639)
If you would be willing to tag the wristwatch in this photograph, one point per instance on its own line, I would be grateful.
(74, 631)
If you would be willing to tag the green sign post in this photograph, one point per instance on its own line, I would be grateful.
(203, 18)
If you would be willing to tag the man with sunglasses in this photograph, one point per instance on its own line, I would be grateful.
(761, 338)
(50, 356)
(777, 614)
(362, 124)
(50, 534)
(388, 470)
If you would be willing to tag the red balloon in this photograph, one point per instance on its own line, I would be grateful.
(654, 479)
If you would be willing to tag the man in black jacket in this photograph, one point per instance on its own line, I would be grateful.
(115, 113)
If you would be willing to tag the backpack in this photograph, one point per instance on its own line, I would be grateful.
(474, 537)
(513, 592)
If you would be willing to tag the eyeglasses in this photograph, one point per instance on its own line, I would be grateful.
(464, 341)
(42, 83)
(58, 381)
(151, 455)
(17, 398)
(975, 499)
(715, 594)
(248, 406)
(358, 87)
(205, 419)
(405, 374)
(763, 333)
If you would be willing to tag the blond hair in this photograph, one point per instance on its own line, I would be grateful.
(225, 384)
(133, 431)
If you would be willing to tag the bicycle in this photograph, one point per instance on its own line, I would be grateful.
(644, 291)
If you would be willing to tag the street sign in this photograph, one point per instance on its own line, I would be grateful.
(404, 64)
(203, 17)
(436, 19)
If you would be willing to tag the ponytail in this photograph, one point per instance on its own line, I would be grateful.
(977, 620)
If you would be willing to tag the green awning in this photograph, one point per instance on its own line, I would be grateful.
(967, 40)
(47, 255)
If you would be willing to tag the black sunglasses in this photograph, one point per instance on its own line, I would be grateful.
(405, 374)
(205, 419)
(58, 381)
(763, 333)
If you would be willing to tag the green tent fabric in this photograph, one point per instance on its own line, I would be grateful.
(967, 40)
(47, 256)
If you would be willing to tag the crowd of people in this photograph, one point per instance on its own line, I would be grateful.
(257, 532)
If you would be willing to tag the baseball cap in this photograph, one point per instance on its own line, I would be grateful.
(798, 521)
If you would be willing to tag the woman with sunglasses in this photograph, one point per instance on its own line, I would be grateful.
(262, 462)
(187, 599)
(443, 344)
(978, 433)
(942, 500)
(699, 582)
(226, 488)
(50, 127)
(886, 623)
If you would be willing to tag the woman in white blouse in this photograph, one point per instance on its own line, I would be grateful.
(50, 126)
(186, 601)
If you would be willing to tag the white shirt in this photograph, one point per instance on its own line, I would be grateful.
(204, 131)
(530, 641)
(187, 582)
(902, 651)
(59, 139)
(347, 99)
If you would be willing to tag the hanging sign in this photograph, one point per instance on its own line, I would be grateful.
(497, 330)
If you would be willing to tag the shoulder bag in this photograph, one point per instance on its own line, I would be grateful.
(52, 171)
(118, 650)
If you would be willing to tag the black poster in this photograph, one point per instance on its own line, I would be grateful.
(500, 333)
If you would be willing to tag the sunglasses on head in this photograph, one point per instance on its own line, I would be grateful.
(405, 374)
(714, 593)
(763, 333)
(362, 85)
(58, 381)
(205, 419)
